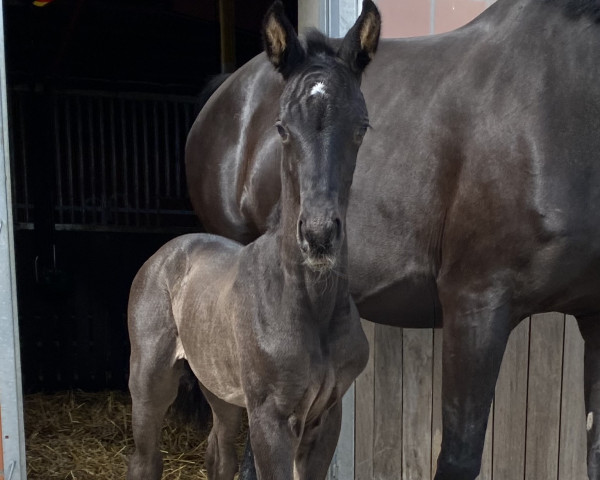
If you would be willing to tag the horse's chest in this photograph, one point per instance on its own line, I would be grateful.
(334, 370)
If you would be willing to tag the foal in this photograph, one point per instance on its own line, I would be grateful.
(271, 326)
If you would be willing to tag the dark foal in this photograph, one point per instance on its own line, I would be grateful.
(269, 327)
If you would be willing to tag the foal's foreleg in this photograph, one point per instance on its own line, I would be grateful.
(590, 330)
(472, 353)
(318, 445)
(275, 437)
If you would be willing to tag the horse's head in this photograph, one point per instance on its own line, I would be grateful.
(322, 121)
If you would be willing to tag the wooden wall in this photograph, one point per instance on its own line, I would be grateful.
(537, 423)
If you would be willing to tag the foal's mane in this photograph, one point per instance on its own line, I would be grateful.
(316, 43)
(579, 8)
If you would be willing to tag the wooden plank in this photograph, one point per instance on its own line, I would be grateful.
(417, 403)
(544, 392)
(387, 405)
(486, 457)
(572, 456)
(510, 407)
(363, 443)
(436, 410)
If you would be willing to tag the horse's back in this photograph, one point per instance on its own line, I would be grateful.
(230, 153)
(484, 140)
(188, 262)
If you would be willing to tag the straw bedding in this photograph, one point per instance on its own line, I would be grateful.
(79, 436)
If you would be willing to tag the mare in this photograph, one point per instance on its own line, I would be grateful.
(476, 196)
(270, 326)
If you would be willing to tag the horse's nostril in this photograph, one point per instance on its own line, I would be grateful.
(338, 228)
(301, 236)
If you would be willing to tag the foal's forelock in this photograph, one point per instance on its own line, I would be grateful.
(323, 89)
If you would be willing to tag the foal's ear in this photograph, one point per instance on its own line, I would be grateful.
(360, 43)
(281, 42)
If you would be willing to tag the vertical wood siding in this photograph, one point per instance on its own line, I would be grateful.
(536, 426)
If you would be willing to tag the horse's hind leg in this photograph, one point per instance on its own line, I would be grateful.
(589, 327)
(153, 382)
(221, 458)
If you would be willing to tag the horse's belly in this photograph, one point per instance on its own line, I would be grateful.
(223, 386)
(216, 369)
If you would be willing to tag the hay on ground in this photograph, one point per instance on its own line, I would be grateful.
(80, 436)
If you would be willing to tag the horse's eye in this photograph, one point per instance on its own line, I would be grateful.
(283, 133)
(359, 134)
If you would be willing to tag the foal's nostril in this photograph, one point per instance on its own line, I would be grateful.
(300, 232)
(319, 236)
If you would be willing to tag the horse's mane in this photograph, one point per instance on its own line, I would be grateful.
(579, 8)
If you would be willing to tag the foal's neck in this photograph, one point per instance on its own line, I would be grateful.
(322, 288)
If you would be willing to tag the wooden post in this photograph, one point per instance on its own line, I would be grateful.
(227, 25)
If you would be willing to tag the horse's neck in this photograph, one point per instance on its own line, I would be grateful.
(321, 291)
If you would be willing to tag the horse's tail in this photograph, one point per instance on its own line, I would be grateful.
(211, 87)
(190, 406)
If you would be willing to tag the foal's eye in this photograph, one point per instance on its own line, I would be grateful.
(283, 133)
(359, 134)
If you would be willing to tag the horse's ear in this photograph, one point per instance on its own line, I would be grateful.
(360, 43)
(281, 42)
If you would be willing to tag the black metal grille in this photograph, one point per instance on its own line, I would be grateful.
(117, 160)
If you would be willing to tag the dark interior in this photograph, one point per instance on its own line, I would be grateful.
(101, 96)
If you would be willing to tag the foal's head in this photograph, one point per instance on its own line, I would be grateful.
(322, 121)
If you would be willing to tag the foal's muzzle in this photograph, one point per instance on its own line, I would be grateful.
(319, 240)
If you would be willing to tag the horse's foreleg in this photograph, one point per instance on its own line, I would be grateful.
(589, 327)
(472, 353)
(318, 445)
(221, 458)
(275, 437)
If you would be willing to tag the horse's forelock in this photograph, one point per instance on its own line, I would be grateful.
(317, 44)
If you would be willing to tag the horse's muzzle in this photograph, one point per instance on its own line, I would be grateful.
(319, 241)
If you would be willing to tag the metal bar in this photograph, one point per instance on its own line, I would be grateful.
(70, 158)
(113, 153)
(124, 159)
(146, 161)
(103, 200)
(11, 397)
(58, 163)
(92, 161)
(80, 163)
(177, 153)
(136, 170)
(167, 179)
(227, 34)
(156, 162)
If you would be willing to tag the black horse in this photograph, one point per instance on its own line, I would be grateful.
(270, 326)
(476, 199)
